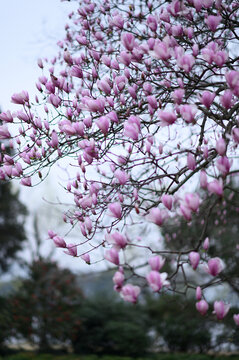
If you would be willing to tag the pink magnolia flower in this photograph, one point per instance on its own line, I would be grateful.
(157, 280)
(128, 41)
(221, 309)
(167, 200)
(202, 307)
(117, 239)
(232, 78)
(156, 262)
(186, 62)
(223, 165)
(86, 258)
(192, 201)
(188, 112)
(167, 117)
(198, 293)
(115, 209)
(103, 124)
(118, 280)
(226, 99)
(161, 50)
(186, 212)
(152, 22)
(132, 127)
(118, 21)
(71, 250)
(203, 179)
(178, 96)
(207, 98)
(216, 187)
(236, 319)
(194, 259)
(121, 176)
(191, 162)
(235, 135)
(76, 71)
(4, 133)
(157, 216)
(214, 266)
(26, 181)
(112, 255)
(6, 116)
(130, 293)
(213, 22)
(206, 244)
(20, 98)
(104, 85)
(221, 146)
(59, 242)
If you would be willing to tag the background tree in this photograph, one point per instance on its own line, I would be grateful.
(143, 99)
(43, 308)
(108, 326)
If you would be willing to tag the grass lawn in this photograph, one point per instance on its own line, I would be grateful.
(32, 356)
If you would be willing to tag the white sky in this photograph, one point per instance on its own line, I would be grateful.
(29, 29)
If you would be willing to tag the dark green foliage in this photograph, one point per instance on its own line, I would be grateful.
(111, 327)
(43, 309)
(12, 234)
(175, 320)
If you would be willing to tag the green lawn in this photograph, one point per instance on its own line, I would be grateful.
(32, 356)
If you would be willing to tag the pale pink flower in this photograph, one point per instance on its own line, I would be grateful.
(221, 146)
(203, 179)
(236, 319)
(121, 176)
(194, 259)
(167, 200)
(157, 216)
(191, 162)
(157, 280)
(206, 244)
(198, 293)
(216, 187)
(112, 255)
(214, 266)
(86, 258)
(207, 98)
(192, 201)
(115, 209)
(118, 280)
(202, 307)
(167, 117)
(156, 262)
(71, 250)
(221, 309)
(128, 41)
(117, 239)
(59, 242)
(130, 293)
(213, 22)
(26, 181)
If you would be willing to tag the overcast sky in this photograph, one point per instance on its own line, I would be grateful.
(29, 30)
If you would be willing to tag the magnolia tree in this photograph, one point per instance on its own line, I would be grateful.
(142, 102)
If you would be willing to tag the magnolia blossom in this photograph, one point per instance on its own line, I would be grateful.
(220, 309)
(194, 259)
(202, 307)
(236, 319)
(214, 266)
(157, 280)
(130, 293)
(156, 262)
